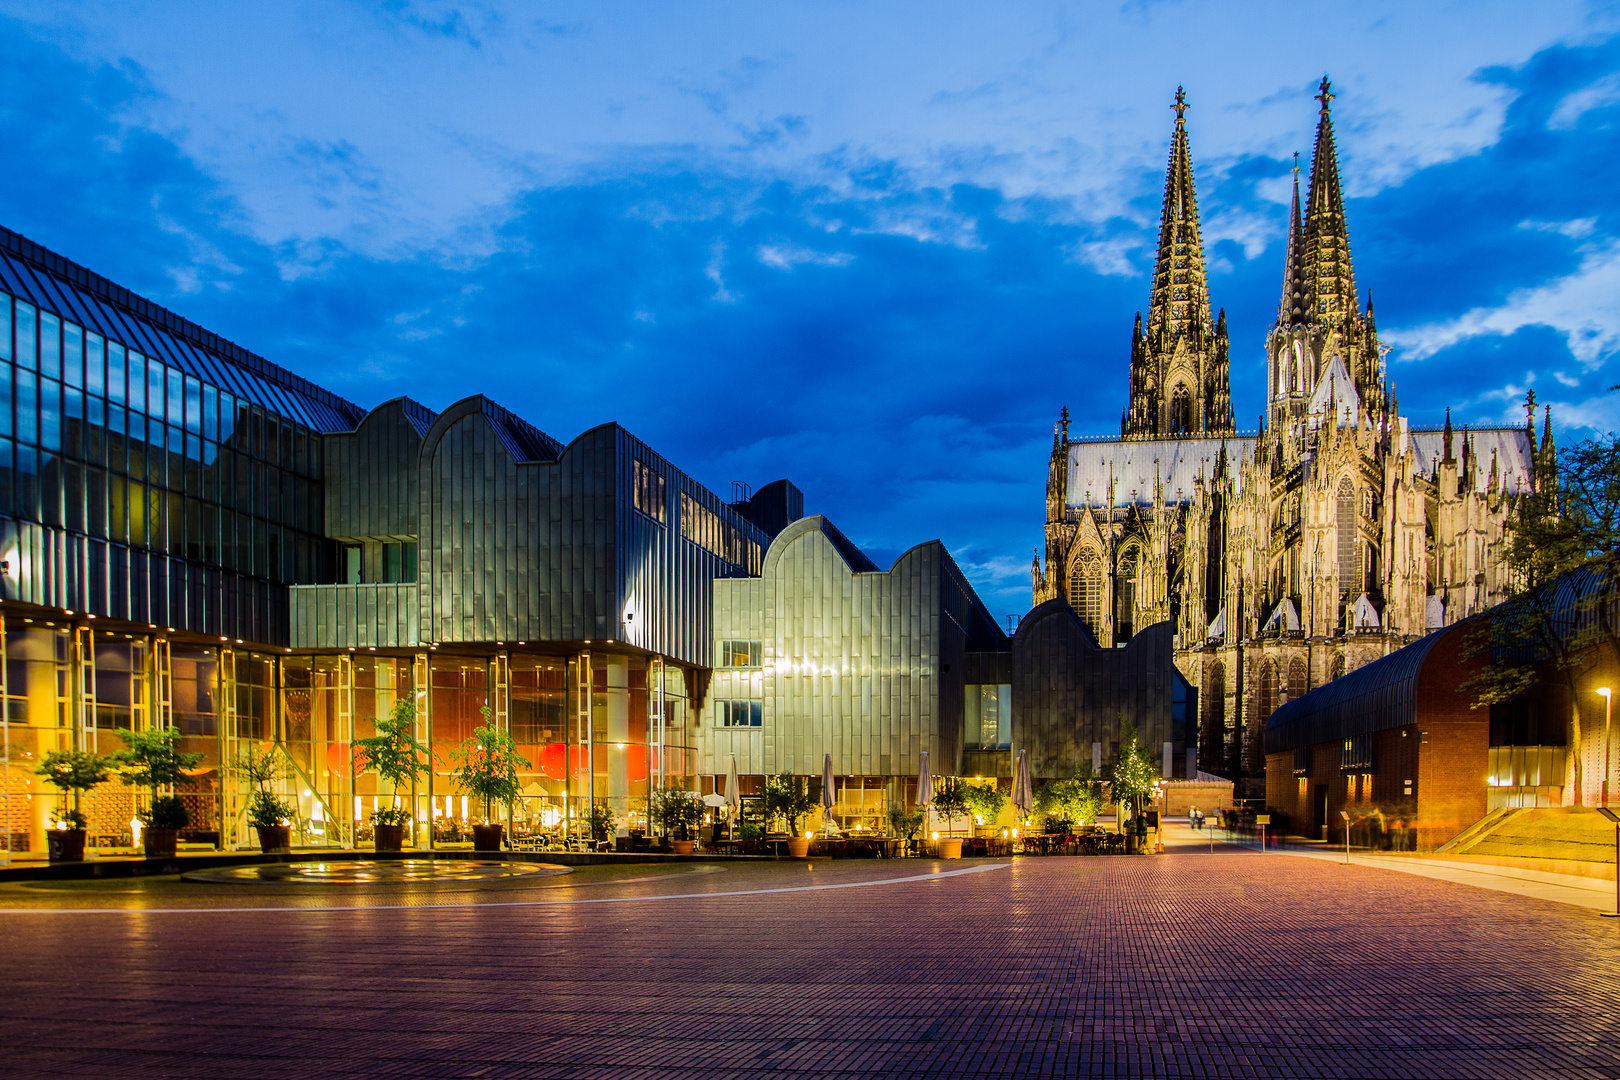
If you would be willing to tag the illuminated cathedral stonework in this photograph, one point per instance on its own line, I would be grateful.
(1337, 533)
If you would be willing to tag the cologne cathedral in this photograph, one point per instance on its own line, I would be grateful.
(1337, 533)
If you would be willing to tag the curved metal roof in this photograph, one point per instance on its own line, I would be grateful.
(1376, 697)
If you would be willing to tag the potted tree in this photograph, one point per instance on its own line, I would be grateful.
(905, 824)
(399, 760)
(677, 811)
(601, 822)
(152, 759)
(951, 801)
(788, 798)
(267, 812)
(486, 768)
(984, 802)
(75, 771)
(1130, 781)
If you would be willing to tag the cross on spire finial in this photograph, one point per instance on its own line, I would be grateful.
(1065, 423)
(1325, 94)
(1530, 407)
(1296, 166)
(1181, 105)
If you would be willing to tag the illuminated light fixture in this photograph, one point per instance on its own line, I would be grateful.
(619, 745)
(239, 641)
(809, 834)
(171, 629)
(89, 616)
(935, 835)
(135, 828)
(224, 639)
(65, 611)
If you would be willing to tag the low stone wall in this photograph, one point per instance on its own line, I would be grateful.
(1209, 795)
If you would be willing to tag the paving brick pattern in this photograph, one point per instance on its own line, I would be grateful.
(1187, 965)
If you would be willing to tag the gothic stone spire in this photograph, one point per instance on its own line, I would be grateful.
(1179, 377)
(1328, 270)
(1293, 309)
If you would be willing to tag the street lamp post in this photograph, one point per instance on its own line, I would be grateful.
(1608, 718)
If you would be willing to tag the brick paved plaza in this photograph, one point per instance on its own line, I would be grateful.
(1231, 964)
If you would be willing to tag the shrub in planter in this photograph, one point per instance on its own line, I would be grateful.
(486, 768)
(676, 812)
(268, 813)
(601, 822)
(152, 759)
(398, 759)
(75, 771)
(985, 803)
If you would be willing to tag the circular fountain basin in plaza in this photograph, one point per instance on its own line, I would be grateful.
(376, 872)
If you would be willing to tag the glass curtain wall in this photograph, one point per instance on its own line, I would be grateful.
(537, 714)
(459, 696)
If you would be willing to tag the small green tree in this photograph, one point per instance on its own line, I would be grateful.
(788, 798)
(602, 822)
(904, 823)
(152, 759)
(951, 799)
(76, 771)
(396, 756)
(262, 768)
(984, 801)
(1132, 775)
(487, 766)
(1077, 799)
(675, 810)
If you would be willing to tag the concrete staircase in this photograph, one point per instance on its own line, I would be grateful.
(1577, 838)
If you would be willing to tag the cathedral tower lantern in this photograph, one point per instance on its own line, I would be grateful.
(1179, 377)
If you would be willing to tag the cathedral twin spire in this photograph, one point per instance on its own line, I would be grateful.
(1179, 380)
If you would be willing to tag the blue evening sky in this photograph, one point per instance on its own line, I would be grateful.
(873, 247)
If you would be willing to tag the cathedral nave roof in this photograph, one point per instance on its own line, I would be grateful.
(1134, 466)
(1515, 458)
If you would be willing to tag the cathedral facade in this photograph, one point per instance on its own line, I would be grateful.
(1284, 557)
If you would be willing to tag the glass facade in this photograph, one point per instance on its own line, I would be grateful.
(101, 439)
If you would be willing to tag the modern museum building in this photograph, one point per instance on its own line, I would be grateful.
(194, 537)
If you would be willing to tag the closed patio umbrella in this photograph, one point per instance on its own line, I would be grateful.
(733, 796)
(829, 796)
(925, 784)
(1023, 794)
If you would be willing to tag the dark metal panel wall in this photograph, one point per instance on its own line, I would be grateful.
(354, 616)
(1069, 694)
(58, 569)
(372, 477)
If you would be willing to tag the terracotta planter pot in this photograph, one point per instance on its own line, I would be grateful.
(799, 847)
(275, 839)
(682, 847)
(159, 843)
(950, 847)
(65, 845)
(487, 837)
(390, 837)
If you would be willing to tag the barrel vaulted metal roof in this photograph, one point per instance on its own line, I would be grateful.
(1376, 697)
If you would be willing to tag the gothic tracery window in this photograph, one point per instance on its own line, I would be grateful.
(1125, 596)
(1180, 411)
(1296, 679)
(1349, 549)
(1086, 591)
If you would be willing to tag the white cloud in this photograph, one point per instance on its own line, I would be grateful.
(1584, 307)
(787, 256)
(1606, 91)
(1113, 257)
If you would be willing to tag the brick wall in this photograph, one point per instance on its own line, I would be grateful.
(1453, 740)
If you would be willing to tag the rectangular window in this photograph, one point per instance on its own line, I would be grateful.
(137, 381)
(739, 713)
(743, 654)
(709, 531)
(27, 345)
(72, 354)
(177, 397)
(647, 489)
(5, 326)
(154, 389)
(987, 709)
(115, 372)
(50, 414)
(50, 345)
(193, 405)
(27, 407)
(210, 412)
(95, 363)
(350, 561)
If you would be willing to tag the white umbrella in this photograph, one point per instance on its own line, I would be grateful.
(714, 800)
(925, 784)
(1023, 796)
(829, 796)
(733, 796)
